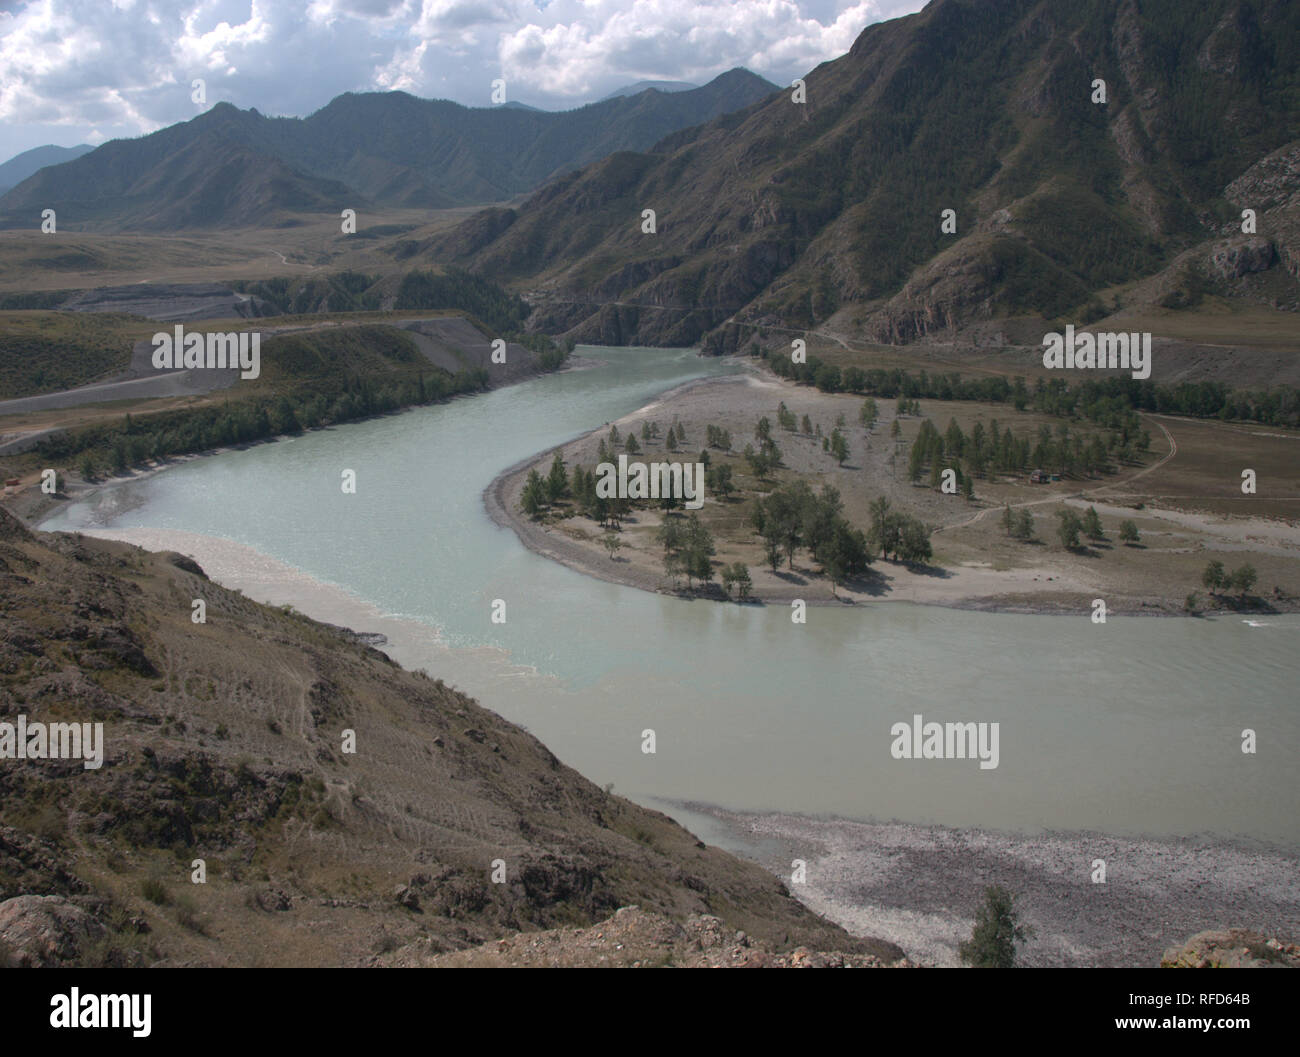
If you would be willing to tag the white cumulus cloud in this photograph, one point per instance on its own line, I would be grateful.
(70, 68)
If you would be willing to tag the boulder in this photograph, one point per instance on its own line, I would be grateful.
(1242, 257)
(45, 931)
(1231, 949)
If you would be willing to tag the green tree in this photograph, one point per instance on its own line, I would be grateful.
(1008, 520)
(844, 554)
(882, 532)
(1069, 529)
(784, 514)
(533, 497)
(612, 543)
(913, 541)
(1025, 526)
(718, 480)
(671, 441)
(740, 577)
(806, 425)
(698, 544)
(557, 481)
(915, 461)
(772, 547)
(869, 413)
(759, 463)
(997, 932)
(1242, 579)
(633, 448)
(818, 516)
(1214, 577)
(839, 446)
(1092, 524)
(673, 539)
(1128, 531)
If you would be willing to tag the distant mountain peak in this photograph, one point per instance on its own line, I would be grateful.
(644, 86)
(21, 166)
(390, 149)
(737, 75)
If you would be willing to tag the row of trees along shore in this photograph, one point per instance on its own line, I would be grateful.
(1100, 400)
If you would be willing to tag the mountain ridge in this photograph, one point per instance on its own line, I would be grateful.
(360, 149)
(786, 214)
(24, 164)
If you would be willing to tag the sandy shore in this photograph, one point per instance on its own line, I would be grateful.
(974, 567)
(1030, 590)
(920, 885)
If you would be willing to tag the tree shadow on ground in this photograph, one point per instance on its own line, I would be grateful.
(712, 591)
(1248, 604)
(874, 583)
(937, 572)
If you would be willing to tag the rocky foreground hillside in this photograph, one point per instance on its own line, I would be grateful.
(638, 939)
(227, 741)
(1232, 949)
(225, 750)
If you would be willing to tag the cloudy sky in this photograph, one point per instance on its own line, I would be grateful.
(85, 71)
